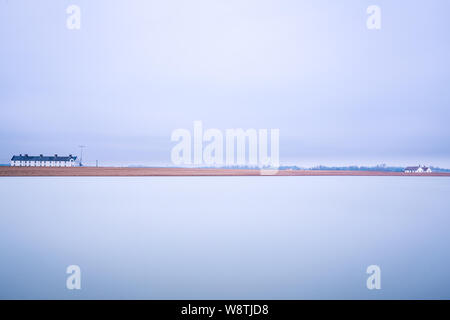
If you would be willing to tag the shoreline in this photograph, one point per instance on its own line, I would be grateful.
(188, 172)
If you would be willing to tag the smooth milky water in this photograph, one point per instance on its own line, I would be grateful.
(225, 237)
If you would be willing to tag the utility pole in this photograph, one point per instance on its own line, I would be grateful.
(81, 154)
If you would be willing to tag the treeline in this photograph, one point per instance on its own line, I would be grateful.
(360, 168)
(381, 167)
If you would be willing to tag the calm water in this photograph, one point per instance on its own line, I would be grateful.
(225, 237)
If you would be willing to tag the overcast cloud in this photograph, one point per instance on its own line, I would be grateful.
(137, 70)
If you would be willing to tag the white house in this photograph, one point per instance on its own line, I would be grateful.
(418, 169)
(43, 161)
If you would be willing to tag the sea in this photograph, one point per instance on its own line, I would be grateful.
(225, 237)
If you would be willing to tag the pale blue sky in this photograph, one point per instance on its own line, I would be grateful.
(339, 93)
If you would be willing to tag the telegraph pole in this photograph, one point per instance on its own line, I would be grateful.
(81, 154)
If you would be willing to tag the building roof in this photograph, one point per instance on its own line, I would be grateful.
(41, 157)
(412, 168)
(416, 168)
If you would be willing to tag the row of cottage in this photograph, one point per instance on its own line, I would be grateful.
(43, 161)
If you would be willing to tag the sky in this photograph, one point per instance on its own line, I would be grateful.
(339, 93)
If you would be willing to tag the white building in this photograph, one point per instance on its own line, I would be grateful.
(43, 161)
(418, 169)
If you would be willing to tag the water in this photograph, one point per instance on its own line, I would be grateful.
(224, 237)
